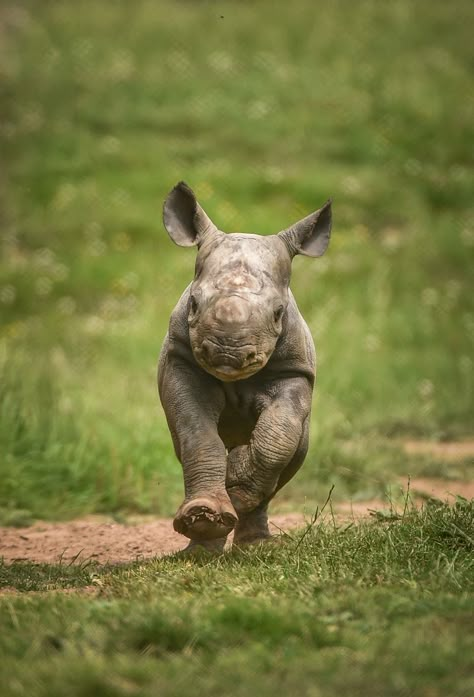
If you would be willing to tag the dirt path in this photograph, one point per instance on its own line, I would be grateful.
(102, 540)
(444, 451)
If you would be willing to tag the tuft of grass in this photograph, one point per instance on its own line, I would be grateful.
(25, 577)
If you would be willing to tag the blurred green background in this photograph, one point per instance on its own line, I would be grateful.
(266, 110)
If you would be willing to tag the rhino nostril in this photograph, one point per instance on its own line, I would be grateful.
(251, 356)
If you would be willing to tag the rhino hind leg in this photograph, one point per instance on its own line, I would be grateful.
(206, 517)
(252, 527)
(199, 547)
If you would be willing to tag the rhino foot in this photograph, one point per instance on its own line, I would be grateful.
(252, 538)
(198, 548)
(253, 541)
(206, 517)
(252, 527)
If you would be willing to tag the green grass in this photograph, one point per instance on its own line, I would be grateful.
(106, 106)
(375, 609)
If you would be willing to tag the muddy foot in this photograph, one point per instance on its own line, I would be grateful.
(205, 518)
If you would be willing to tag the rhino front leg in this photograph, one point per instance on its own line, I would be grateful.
(276, 450)
(192, 402)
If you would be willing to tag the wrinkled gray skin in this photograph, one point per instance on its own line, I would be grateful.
(236, 371)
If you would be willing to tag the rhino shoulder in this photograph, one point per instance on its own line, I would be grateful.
(178, 331)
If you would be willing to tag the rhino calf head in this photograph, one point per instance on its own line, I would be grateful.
(239, 295)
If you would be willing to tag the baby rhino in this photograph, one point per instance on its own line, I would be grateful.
(236, 371)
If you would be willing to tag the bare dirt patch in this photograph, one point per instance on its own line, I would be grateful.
(103, 540)
(442, 489)
(100, 539)
(459, 450)
(97, 539)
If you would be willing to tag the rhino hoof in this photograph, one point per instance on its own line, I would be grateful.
(205, 518)
(203, 548)
(256, 539)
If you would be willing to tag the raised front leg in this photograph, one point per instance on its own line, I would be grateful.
(277, 446)
(193, 402)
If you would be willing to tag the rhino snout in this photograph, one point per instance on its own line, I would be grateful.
(229, 336)
(214, 354)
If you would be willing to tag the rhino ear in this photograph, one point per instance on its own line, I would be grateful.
(184, 219)
(309, 236)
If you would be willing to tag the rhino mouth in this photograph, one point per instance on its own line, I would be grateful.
(227, 360)
(228, 373)
(232, 359)
(228, 366)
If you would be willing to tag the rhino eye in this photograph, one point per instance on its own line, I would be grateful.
(278, 313)
(194, 305)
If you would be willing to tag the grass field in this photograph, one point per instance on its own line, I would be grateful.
(265, 113)
(366, 610)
